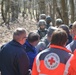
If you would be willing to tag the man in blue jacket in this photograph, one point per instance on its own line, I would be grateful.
(13, 58)
(31, 42)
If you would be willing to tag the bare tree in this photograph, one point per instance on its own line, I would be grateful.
(41, 6)
(64, 11)
(72, 10)
(5, 11)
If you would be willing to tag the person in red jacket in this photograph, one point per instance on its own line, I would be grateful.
(71, 70)
(52, 61)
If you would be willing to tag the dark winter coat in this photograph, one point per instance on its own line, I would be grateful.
(13, 59)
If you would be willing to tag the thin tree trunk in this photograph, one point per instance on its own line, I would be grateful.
(64, 12)
(72, 10)
(41, 6)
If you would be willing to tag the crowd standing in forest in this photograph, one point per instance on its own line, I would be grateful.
(49, 51)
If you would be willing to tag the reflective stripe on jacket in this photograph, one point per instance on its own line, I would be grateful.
(72, 67)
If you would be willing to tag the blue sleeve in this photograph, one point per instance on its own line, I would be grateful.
(31, 56)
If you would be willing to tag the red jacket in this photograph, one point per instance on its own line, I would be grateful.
(51, 61)
(72, 66)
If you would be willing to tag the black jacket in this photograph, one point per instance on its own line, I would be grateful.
(13, 59)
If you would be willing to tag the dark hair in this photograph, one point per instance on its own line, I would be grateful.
(33, 37)
(59, 37)
(64, 27)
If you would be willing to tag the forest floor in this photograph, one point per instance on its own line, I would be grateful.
(6, 34)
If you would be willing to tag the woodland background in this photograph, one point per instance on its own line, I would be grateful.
(25, 13)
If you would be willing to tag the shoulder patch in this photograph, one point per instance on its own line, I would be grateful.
(52, 61)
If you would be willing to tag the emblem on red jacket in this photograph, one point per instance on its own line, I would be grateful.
(52, 61)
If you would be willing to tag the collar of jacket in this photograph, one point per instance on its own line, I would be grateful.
(61, 48)
(27, 43)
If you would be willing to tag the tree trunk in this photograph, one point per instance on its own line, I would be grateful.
(50, 7)
(64, 11)
(4, 9)
(41, 6)
(54, 12)
(72, 10)
(14, 10)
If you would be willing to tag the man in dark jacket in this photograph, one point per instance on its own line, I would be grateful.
(13, 58)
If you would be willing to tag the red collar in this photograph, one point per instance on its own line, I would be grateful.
(75, 37)
(62, 48)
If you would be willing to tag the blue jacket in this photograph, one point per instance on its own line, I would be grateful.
(31, 52)
(13, 59)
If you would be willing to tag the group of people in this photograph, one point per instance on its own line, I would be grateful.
(49, 51)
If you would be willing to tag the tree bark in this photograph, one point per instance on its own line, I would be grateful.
(41, 6)
(64, 11)
(72, 10)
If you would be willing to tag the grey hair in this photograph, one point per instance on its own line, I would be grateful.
(18, 32)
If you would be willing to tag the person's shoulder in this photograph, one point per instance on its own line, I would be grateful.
(41, 43)
(42, 53)
(3, 46)
(44, 38)
(70, 43)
